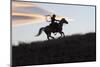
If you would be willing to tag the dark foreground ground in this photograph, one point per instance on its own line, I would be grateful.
(75, 48)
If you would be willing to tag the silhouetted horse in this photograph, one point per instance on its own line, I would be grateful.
(48, 29)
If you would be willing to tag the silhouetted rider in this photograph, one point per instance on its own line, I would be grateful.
(53, 20)
(54, 24)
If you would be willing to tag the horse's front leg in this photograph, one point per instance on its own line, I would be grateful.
(62, 34)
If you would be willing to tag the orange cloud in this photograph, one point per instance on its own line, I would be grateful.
(33, 18)
(28, 14)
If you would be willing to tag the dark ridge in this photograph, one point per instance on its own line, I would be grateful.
(75, 48)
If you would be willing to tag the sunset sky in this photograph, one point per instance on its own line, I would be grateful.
(29, 17)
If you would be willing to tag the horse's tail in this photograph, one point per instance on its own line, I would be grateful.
(40, 31)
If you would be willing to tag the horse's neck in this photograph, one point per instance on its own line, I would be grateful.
(61, 24)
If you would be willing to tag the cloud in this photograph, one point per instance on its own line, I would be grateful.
(25, 12)
(25, 18)
(19, 4)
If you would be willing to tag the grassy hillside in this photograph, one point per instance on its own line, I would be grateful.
(75, 48)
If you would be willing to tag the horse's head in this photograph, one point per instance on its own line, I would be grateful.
(63, 20)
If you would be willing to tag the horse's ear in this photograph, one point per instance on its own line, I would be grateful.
(63, 18)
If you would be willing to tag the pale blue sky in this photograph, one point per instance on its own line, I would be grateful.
(83, 22)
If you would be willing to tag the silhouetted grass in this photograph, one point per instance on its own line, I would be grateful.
(75, 48)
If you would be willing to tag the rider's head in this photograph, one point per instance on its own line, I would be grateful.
(53, 15)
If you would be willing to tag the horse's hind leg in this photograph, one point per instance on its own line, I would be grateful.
(52, 37)
(48, 37)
